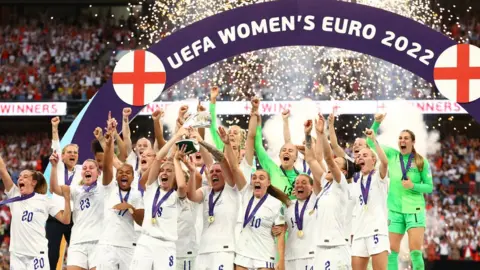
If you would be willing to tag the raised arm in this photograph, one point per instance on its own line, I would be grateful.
(286, 127)
(327, 152)
(238, 176)
(220, 157)
(200, 108)
(193, 194)
(126, 129)
(179, 174)
(5, 176)
(181, 117)
(389, 152)
(65, 215)
(98, 133)
(252, 131)
(54, 187)
(319, 145)
(380, 153)
(155, 167)
(213, 114)
(157, 116)
(55, 122)
(317, 170)
(337, 150)
(108, 160)
(207, 158)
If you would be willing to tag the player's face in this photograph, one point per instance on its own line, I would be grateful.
(260, 183)
(70, 156)
(26, 184)
(358, 145)
(198, 159)
(341, 165)
(405, 143)
(166, 176)
(366, 160)
(142, 145)
(146, 159)
(99, 159)
(303, 188)
(89, 172)
(216, 177)
(288, 155)
(235, 134)
(124, 176)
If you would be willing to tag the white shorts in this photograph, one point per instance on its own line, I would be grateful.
(301, 264)
(82, 255)
(114, 257)
(153, 253)
(253, 263)
(333, 258)
(25, 262)
(186, 263)
(371, 245)
(215, 261)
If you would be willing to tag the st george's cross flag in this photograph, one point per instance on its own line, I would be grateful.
(139, 78)
(457, 73)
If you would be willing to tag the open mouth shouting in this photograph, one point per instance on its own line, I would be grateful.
(286, 158)
(215, 179)
(88, 176)
(124, 181)
(257, 186)
(198, 156)
(21, 185)
(299, 190)
(164, 178)
(403, 146)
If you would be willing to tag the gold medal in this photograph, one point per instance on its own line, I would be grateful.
(154, 220)
(300, 234)
(311, 212)
(130, 210)
(211, 219)
(365, 207)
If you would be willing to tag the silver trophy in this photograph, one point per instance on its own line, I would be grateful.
(199, 120)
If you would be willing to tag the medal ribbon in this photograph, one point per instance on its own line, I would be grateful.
(211, 203)
(356, 176)
(250, 216)
(202, 169)
(325, 188)
(18, 198)
(140, 186)
(88, 188)
(299, 216)
(126, 195)
(366, 190)
(155, 205)
(305, 168)
(409, 164)
(68, 180)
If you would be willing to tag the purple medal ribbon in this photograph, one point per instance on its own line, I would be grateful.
(126, 195)
(327, 186)
(248, 217)
(366, 190)
(17, 199)
(139, 185)
(211, 203)
(202, 169)
(156, 205)
(409, 163)
(136, 165)
(68, 180)
(299, 218)
(305, 168)
(88, 188)
(356, 176)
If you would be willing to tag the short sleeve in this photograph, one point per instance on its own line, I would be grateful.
(205, 190)
(53, 208)
(280, 218)
(13, 192)
(73, 192)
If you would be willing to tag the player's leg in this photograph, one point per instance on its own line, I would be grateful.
(396, 228)
(54, 233)
(360, 256)
(416, 230)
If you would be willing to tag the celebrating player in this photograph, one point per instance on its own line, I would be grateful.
(370, 230)
(30, 208)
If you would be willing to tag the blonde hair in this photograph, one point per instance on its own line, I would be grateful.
(96, 164)
(243, 136)
(419, 161)
(68, 145)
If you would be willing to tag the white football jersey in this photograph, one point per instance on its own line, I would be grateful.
(331, 213)
(352, 200)
(218, 236)
(256, 240)
(118, 226)
(133, 160)
(27, 227)
(301, 247)
(165, 226)
(87, 213)
(187, 245)
(374, 219)
(75, 176)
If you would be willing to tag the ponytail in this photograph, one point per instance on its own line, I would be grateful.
(41, 186)
(277, 193)
(419, 162)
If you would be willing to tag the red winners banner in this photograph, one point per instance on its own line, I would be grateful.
(33, 108)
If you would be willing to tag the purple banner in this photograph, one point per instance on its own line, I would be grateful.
(372, 31)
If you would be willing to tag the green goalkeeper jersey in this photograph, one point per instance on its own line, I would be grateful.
(400, 199)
